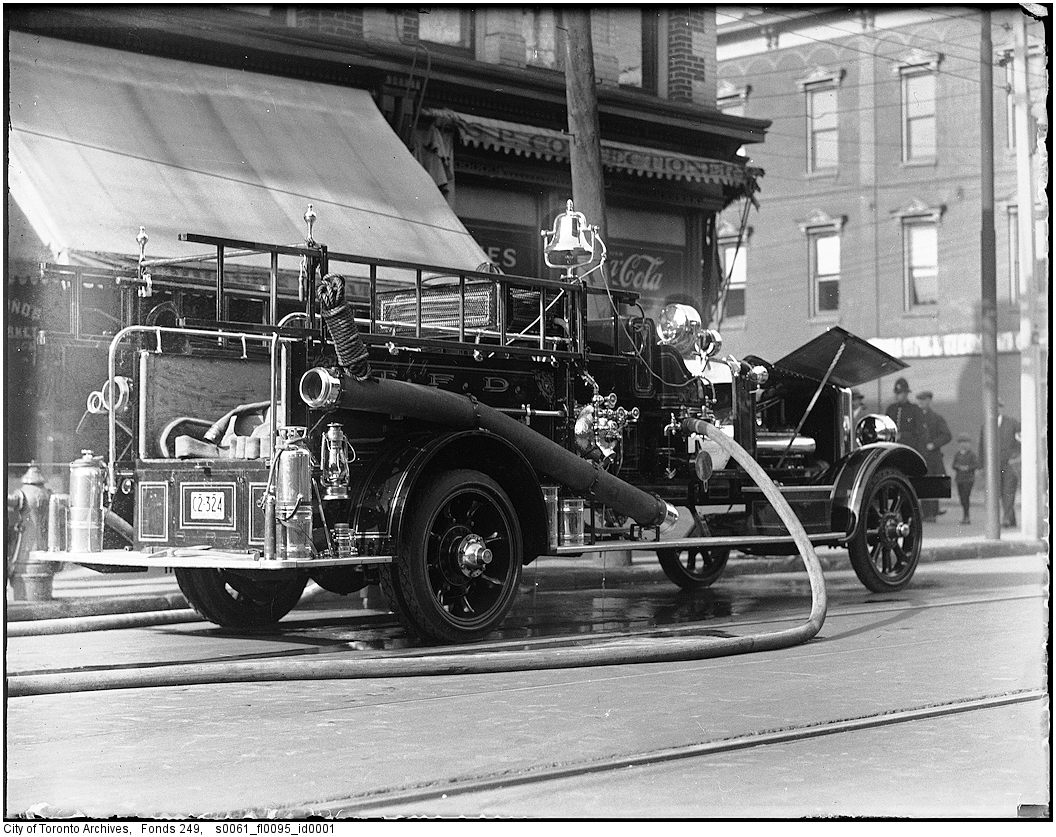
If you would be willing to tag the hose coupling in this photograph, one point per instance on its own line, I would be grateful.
(320, 388)
(670, 518)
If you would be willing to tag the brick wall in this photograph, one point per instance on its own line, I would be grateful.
(691, 56)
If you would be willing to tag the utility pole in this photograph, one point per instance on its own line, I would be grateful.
(988, 276)
(588, 185)
(1031, 393)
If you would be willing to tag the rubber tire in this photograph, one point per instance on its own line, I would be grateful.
(243, 600)
(859, 546)
(676, 571)
(410, 590)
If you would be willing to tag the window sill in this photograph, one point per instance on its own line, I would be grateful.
(921, 312)
(734, 324)
(825, 317)
(924, 162)
(821, 174)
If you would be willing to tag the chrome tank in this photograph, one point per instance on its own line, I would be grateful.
(87, 480)
(293, 495)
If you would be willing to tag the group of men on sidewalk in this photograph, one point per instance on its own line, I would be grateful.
(924, 430)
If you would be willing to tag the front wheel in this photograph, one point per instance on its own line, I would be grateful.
(459, 560)
(695, 568)
(235, 599)
(885, 547)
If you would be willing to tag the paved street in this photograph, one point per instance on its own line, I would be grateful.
(965, 630)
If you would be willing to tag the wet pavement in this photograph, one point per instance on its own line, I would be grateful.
(972, 629)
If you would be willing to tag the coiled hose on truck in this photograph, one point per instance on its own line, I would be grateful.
(665, 650)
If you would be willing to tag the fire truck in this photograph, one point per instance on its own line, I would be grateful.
(433, 430)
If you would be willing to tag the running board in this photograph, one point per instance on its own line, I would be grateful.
(690, 543)
(190, 557)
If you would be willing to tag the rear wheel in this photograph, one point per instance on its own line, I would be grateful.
(885, 548)
(239, 599)
(696, 568)
(459, 559)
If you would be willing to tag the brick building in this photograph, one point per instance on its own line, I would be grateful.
(870, 212)
(478, 96)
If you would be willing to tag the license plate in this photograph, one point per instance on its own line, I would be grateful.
(207, 505)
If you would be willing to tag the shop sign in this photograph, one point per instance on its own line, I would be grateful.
(24, 318)
(551, 145)
(513, 250)
(656, 273)
(943, 345)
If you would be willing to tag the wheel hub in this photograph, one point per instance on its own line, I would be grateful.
(473, 555)
(892, 527)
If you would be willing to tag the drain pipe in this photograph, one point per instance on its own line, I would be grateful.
(670, 649)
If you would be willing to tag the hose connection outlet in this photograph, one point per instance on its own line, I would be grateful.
(320, 388)
(670, 518)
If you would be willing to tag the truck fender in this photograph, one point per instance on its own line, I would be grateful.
(383, 496)
(854, 472)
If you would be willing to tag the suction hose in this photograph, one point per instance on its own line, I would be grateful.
(672, 649)
(322, 389)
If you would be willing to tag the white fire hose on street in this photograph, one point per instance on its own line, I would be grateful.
(619, 652)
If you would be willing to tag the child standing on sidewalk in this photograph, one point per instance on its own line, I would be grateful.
(965, 464)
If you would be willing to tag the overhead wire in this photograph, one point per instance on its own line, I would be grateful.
(867, 36)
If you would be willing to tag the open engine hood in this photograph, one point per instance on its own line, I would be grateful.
(860, 362)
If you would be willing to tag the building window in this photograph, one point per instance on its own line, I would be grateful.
(446, 26)
(918, 71)
(918, 116)
(920, 239)
(824, 270)
(820, 90)
(625, 37)
(822, 128)
(1010, 104)
(735, 271)
(539, 29)
(733, 101)
(1010, 290)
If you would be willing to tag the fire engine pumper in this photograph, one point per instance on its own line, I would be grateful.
(433, 430)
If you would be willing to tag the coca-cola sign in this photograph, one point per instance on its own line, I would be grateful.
(657, 273)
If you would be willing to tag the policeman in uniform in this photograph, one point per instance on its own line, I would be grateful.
(907, 417)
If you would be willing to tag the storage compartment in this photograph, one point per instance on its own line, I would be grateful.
(208, 502)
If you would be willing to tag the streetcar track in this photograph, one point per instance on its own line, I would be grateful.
(340, 646)
(439, 789)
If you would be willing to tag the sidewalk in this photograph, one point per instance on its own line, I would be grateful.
(79, 591)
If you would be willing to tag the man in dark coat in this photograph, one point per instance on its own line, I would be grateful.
(907, 417)
(1008, 460)
(936, 434)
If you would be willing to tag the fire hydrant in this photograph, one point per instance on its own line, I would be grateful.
(27, 508)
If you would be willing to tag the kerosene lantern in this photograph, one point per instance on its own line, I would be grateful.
(335, 463)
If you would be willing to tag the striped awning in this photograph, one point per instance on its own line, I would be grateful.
(103, 141)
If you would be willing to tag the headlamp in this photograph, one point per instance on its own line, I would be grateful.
(876, 428)
(678, 327)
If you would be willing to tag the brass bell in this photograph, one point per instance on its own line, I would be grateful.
(571, 241)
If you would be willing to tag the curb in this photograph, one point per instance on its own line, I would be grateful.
(571, 573)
